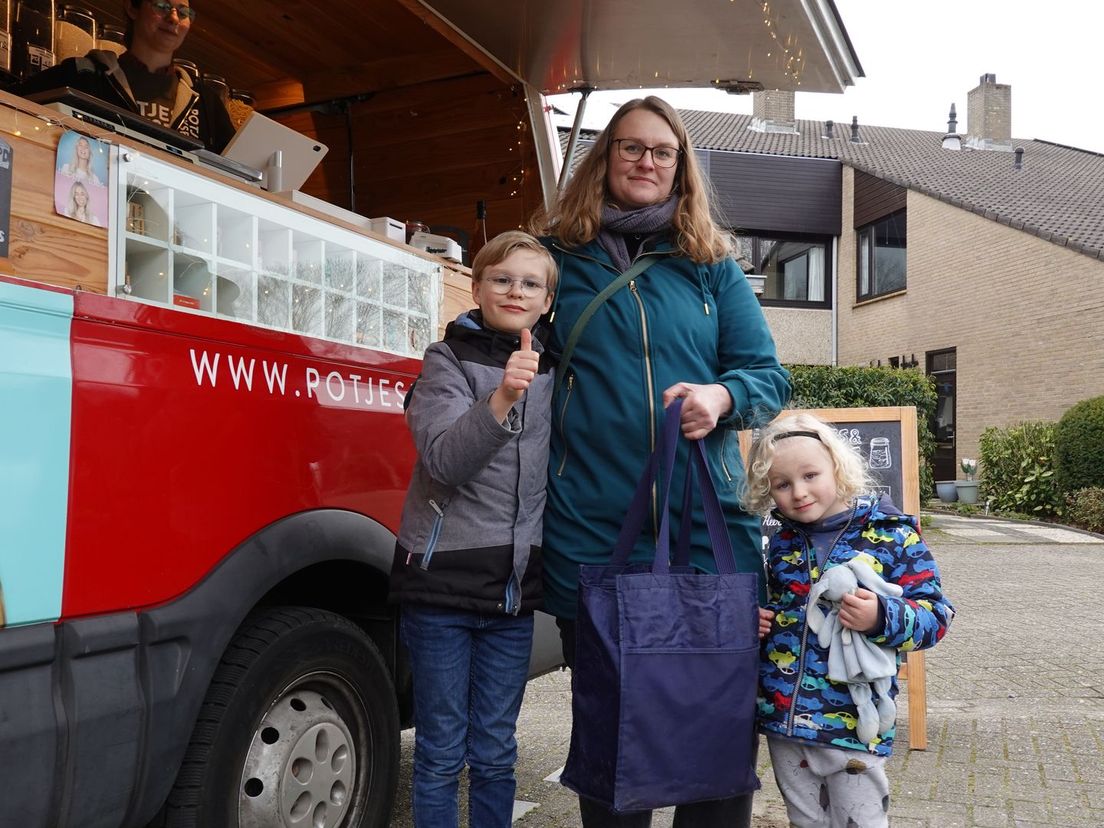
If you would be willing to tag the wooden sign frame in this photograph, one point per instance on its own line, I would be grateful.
(913, 669)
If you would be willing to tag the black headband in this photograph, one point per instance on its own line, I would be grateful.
(786, 434)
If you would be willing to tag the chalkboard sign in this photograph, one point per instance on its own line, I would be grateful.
(885, 438)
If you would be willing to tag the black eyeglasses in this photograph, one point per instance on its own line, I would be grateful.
(629, 149)
(504, 284)
(165, 8)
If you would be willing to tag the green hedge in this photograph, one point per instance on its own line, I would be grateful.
(1079, 446)
(1085, 508)
(1018, 469)
(825, 386)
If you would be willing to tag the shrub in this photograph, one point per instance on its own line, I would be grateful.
(826, 386)
(1018, 469)
(1079, 446)
(1085, 508)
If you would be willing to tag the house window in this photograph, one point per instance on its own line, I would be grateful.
(881, 264)
(795, 269)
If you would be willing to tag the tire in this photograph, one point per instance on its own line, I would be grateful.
(300, 727)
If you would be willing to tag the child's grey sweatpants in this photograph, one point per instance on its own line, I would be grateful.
(826, 787)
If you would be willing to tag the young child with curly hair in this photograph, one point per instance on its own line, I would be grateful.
(851, 585)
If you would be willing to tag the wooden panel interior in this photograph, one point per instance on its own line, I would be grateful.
(434, 125)
(44, 245)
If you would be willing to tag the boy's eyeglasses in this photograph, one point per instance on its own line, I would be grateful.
(504, 284)
(165, 8)
(662, 156)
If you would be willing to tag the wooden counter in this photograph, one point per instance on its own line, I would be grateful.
(51, 248)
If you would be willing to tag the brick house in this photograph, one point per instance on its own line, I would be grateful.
(951, 253)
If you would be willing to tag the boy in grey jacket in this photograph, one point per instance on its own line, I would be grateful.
(467, 560)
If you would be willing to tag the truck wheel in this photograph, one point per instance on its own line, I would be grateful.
(300, 727)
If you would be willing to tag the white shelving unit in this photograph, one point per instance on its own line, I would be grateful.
(193, 243)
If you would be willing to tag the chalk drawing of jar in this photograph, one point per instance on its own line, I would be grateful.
(880, 457)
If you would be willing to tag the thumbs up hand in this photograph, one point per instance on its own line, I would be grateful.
(520, 370)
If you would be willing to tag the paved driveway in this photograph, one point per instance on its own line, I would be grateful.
(1015, 696)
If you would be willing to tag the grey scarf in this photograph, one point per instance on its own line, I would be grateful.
(616, 223)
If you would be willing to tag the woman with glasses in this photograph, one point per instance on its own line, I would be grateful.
(144, 79)
(687, 324)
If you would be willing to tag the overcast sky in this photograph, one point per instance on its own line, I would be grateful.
(919, 56)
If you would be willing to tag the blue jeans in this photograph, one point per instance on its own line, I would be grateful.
(469, 674)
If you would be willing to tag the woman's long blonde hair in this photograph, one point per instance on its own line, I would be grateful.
(576, 217)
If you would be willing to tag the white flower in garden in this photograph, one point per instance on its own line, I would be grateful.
(969, 467)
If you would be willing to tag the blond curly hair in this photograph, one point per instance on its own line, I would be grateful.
(852, 478)
(576, 217)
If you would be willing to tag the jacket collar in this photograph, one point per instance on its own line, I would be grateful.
(594, 250)
(469, 327)
(863, 510)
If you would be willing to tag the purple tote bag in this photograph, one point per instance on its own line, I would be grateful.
(664, 685)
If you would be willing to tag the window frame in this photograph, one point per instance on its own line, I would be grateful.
(866, 257)
(760, 236)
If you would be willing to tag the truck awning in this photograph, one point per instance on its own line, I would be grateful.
(738, 45)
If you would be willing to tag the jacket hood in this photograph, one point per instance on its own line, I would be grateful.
(469, 327)
(867, 508)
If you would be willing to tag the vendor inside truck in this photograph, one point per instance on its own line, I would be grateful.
(144, 78)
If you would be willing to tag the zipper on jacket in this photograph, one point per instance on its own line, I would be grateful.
(434, 533)
(724, 445)
(513, 592)
(646, 346)
(563, 416)
(809, 554)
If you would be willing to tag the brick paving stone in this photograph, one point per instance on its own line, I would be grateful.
(1027, 811)
(1095, 795)
(989, 817)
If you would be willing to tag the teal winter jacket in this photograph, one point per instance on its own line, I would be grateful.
(678, 321)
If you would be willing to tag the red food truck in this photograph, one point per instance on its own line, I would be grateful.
(204, 455)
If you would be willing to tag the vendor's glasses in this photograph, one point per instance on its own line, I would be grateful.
(164, 8)
(632, 150)
(504, 284)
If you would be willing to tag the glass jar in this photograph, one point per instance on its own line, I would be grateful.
(74, 32)
(240, 107)
(219, 84)
(32, 37)
(188, 66)
(112, 39)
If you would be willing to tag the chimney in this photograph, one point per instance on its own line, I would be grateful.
(855, 130)
(772, 110)
(952, 140)
(829, 129)
(1018, 163)
(989, 115)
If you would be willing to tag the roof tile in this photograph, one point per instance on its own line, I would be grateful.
(1058, 194)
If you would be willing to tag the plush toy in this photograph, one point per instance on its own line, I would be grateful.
(866, 667)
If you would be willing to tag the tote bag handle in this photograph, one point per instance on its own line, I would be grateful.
(719, 540)
(664, 457)
(637, 512)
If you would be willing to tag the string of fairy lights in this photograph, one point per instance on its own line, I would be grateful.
(784, 46)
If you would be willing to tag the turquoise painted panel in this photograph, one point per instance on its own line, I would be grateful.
(36, 382)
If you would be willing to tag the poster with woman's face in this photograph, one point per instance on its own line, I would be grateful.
(80, 179)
